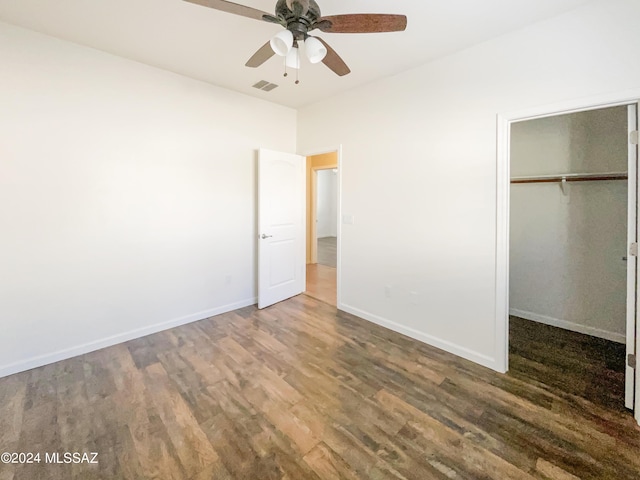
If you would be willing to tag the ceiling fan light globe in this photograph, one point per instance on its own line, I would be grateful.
(315, 50)
(293, 59)
(282, 42)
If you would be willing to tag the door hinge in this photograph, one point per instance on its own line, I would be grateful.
(633, 249)
(633, 137)
(631, 360)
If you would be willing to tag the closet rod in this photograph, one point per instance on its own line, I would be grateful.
(572, 177)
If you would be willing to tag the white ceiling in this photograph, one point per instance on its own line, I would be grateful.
(213, 46)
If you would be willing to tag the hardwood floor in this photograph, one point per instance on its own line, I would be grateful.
(299, 391)
(550, 355)
(321, 283)
(328, 251)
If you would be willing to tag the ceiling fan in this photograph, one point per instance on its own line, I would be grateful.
(299, 17)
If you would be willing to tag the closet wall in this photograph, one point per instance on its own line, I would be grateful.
(566, 253)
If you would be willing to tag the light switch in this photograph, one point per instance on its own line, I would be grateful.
(347, 219)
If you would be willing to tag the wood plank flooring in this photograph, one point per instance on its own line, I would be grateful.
(322, 283)
(550, 355)
(299, 391)
(328, 251)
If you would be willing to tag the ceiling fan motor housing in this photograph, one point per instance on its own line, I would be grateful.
(298, 23)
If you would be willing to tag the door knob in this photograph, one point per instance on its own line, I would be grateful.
(263, 236)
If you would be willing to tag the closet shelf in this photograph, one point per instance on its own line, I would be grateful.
(571, 177)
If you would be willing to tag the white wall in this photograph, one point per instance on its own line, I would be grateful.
(327, 203)
(429, 135)
(566, 266)
(127, 198)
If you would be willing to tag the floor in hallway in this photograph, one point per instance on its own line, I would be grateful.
(327, 251)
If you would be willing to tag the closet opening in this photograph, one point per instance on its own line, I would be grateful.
(572, 282)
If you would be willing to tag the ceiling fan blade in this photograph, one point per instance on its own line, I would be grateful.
(231, 7)
(333, 60)
(362, 23)
(262, 55)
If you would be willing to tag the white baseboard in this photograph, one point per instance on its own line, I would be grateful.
(471, 355)
(574, 327)
(66, 353)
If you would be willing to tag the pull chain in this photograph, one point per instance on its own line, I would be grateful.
(297, 65)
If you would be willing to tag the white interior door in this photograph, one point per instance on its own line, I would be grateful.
(281, 226)
(632, 287)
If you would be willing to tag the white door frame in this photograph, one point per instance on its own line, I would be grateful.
(338, 151)
(632, 263)
(503, 183)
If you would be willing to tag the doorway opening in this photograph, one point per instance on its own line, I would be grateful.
(322, 226)
(571, 282)
(327, 217)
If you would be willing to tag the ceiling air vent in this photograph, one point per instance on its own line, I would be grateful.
(264, 85)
